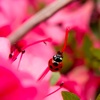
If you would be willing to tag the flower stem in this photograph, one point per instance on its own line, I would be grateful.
(36, 19)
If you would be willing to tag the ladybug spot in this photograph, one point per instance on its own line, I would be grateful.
(51, 67)
(55, 64)
(56, 69)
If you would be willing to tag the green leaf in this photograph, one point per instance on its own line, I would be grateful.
(95, 25)
(71, 40)
(54, 78)
(41, 5)
(69, 96)
(98, 97)
(87, 44)
(67, 64)
(96, 53)
(95, 64)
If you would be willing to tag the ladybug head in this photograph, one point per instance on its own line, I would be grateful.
(58, 58)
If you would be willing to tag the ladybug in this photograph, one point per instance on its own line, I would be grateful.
(55, 64)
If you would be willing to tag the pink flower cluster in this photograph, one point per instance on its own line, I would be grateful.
(18, 80)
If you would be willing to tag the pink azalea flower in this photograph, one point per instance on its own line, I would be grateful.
(36, 57)
(31, 71)
(72, 18)
(71, 86)
(5, 30)
(82, 82)
(80, 75)
(77, 19)
(16, 85)
(74, 75)
(24, 83)
(33, 61)
(10, 14)
(4, 47)
(92, 86)
(55, 32)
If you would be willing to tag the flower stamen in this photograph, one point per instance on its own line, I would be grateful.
(61, 85)
(20, 48)
(43, 74)
(20, 58)
(66, 39)
(44, 41)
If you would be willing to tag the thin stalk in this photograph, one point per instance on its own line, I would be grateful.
(43, 74)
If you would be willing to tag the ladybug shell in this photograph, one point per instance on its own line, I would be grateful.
(54, 68)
